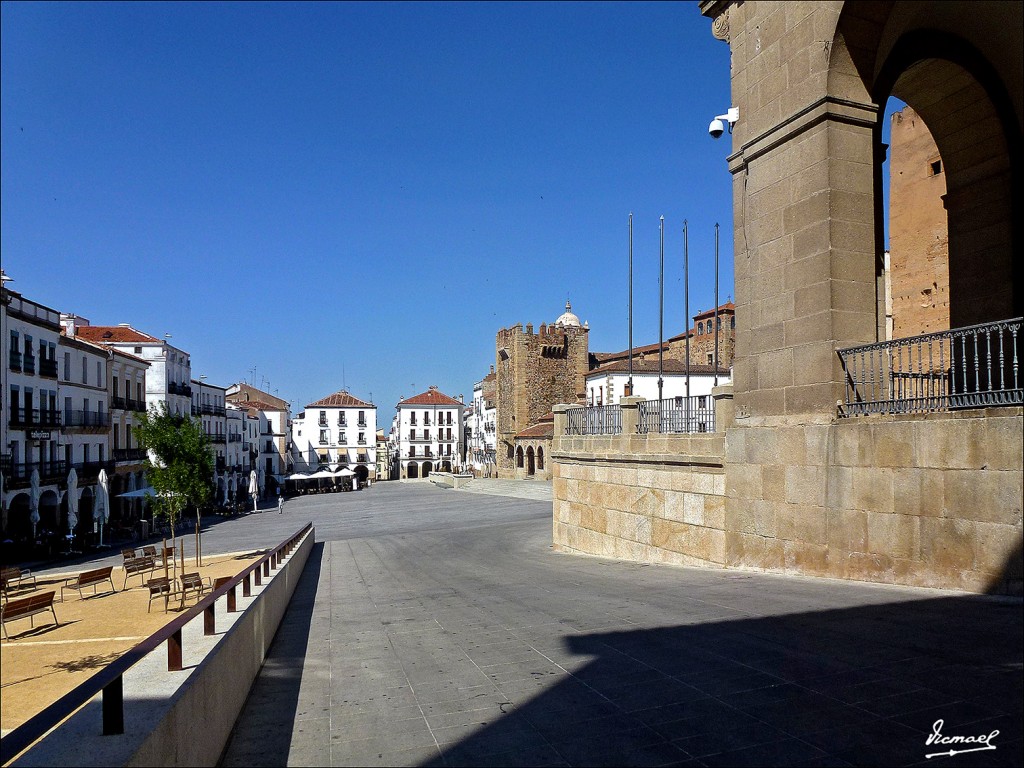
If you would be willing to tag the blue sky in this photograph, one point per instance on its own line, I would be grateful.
(318, 195)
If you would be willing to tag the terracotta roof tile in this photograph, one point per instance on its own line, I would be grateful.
(432, 396)
(340, 399)
(543, 428)
(113, 334)
(258, 405)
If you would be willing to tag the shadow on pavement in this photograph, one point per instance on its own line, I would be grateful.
(263, 731)
(857, 686)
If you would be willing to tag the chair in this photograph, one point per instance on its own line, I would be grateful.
(193, 583)
(159, 587)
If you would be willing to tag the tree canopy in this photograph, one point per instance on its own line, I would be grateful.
(179, 463)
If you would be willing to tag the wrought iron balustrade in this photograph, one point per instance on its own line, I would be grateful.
(594, 420)
(128, 454)
(973, 367)
(677, 415)
(48, 368)
(118, 403)
(15, 360)
(85, 419)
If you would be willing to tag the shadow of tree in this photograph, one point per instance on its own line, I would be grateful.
(94, 661)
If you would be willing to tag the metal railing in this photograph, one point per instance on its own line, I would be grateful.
(48, 367)
(109, 681)
(973, 367)
(677, 415)
(34, 417)
(594, 420)
(21, 472)
(86, 419)
(128, 454)
(15, 360)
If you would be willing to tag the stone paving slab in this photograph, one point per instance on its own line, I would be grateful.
(473, 643)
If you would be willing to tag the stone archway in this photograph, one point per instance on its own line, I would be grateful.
(412, 471)
(531, 465)
(428, 467)
(519, 457)
(540, 458)
(362, 473)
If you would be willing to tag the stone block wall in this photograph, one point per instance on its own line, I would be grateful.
(657, 499)
(923, 500)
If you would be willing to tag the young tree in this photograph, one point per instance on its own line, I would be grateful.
(179, 463)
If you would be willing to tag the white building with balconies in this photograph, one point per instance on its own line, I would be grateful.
(429, 434)
(338, 431)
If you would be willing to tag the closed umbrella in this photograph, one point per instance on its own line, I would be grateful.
(131, 503)
(254, 488)
(72, 497)
(225, 491)
(3, 507)
(102, 510)
(33, 501)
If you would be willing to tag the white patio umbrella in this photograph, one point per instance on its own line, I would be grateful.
(101, 511)
(72, 497)
(254, 488)
(225, 491)
(232, 485)
(33, 501)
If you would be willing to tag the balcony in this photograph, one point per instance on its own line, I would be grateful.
(342, 422)
(195, 410)
(139, 406)
(133, 455)
(361, 423)
(86, 420)
(213, 410)
(220, 464)
(34, 417)
(21, 473)
(234, 438)
(15, 360)
(361, 441)
(323, 441)
(118, 404)
(89, 471)
(48, 368)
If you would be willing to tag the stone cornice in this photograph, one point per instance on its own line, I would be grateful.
(825, 108)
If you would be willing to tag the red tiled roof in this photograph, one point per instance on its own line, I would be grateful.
(257, 405)
(432, 396)
(113, 334)
(727, 307)
(543, 428)
(340, 399)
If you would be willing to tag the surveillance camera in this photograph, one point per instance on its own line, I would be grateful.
(717, 127)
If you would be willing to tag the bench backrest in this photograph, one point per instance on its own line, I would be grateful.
(149, 551)
(140, 564)
(23, 606)
(10, 572)
(97, 574)
(159, 585)
(191, 580)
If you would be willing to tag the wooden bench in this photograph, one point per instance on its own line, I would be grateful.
(129, 554)
(11, 573)
(159, 587)
(138, 567)
(27, 607)
(92, 579)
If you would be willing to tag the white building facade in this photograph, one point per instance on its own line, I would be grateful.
(338, 431)
(481, 433)
(170, 370)
(429, 434)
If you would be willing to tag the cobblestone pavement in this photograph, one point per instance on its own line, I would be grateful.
(436, 627)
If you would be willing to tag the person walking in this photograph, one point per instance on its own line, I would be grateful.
(280, 502)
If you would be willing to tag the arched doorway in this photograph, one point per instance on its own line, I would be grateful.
(946, 75)
(19, 526)
(412, 471)
(446, 466)
(428, 467)
(531, 466)
(362, 473)
(49, 512)
(540, 458)
(519, 457)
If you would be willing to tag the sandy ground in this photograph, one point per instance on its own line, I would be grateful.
(40, 664)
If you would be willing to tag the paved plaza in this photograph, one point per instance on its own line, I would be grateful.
(438, 627)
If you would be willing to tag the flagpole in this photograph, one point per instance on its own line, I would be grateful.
(629, 386)
(661, 311)
(717, 329)
(686, 313)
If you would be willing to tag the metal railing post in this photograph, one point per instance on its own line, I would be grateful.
(113, 707)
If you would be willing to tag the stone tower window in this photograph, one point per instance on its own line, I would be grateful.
(935, 167)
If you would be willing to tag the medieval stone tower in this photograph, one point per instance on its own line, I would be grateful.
(534, 372)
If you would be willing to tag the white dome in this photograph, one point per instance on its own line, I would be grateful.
(568, 318)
